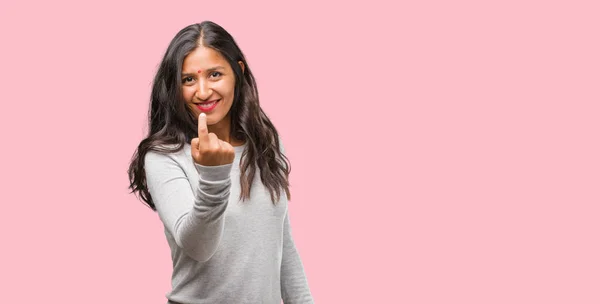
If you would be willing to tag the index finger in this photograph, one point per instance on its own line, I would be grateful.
(202, 128)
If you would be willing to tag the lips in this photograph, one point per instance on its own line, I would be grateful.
(208, 106)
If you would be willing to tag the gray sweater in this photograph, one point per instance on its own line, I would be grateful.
(224, 250)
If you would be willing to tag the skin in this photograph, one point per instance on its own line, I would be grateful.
(207, 149)
(207, 76)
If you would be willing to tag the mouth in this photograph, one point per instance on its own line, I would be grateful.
(208, 106)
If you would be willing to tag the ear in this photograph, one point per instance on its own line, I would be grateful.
(242, 66)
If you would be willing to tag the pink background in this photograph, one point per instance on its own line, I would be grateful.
(442, 152)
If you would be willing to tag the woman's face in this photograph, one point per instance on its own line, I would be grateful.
(208, 84)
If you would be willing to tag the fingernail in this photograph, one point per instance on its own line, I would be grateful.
(202, 114)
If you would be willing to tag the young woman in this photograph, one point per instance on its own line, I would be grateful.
(214, 169)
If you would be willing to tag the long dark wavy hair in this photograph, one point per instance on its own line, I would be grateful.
(172, 123)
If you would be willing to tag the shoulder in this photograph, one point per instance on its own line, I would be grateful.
(165, 154)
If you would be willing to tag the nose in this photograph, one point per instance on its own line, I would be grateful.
(203, 90)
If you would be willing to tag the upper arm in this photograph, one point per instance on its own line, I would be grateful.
(169, 188)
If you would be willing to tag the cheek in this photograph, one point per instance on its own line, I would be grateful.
(187, 94)
(227, 88)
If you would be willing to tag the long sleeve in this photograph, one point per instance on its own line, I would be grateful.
(294, 285)
(195, 221)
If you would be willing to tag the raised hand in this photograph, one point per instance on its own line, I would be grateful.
(207, 149)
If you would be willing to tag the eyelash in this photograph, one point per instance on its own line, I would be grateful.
(185, 80)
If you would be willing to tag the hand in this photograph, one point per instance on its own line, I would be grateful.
(208, 150)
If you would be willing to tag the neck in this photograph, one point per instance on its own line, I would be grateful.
(223, 131)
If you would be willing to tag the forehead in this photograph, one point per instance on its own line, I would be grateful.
(203, 58)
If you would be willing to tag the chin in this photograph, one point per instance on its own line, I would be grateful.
(213, 118)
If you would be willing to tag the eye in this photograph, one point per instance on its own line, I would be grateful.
(215, 74)
(188, 79)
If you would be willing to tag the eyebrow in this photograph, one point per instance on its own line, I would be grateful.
(207, 70)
